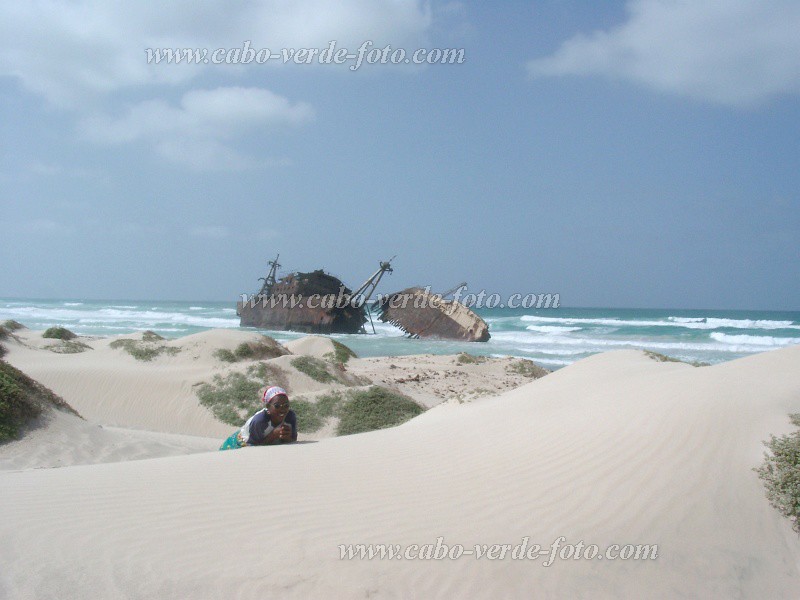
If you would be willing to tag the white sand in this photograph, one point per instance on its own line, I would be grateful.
(311, 345)
(614, 449)
(109, 387)
(431, 379)
(61, 439)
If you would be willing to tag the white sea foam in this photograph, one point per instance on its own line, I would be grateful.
(116, 315)
(552, 328)
(686, 322)
(754, 340)
(561, 351)
(579, 321)
(547, 338)
(384, 329)
(553, 361)
(687, 319)
(49, 314)
(548, 344)
(748, 324)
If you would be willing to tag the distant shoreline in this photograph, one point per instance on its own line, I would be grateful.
(551, 337)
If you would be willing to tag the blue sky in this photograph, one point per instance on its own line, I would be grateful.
(625, 154)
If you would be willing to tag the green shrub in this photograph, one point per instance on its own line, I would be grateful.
(22, 399)
(13, 409)
(233, 398)
(227, 414)
(357, 410)
(313, 367)
(243, 350)
(225, 355)
(375, 408)
(269, 374)
(526, 368)
(658, 357)
(328, 405)
(263, 349)
(780, 473)
(469, 359)
(341, 353)
(68, 347)
(309, 419)
(59, 333)
(8, 328)
(141, 350)
(151, 336)
(311, 416)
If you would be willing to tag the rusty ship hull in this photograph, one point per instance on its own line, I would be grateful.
(312, 302)
(424, 315)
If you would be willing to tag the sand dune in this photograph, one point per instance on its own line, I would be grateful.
(311, 345)
(109, 387)
(61, 439)
(614, 449)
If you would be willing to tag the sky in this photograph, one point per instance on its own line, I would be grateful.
(621, 154)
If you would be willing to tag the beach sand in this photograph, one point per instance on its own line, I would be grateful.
(614, 449)
(109, 387)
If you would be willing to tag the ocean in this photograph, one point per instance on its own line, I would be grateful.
(550, 337)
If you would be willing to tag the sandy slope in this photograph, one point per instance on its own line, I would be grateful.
(614, 449)
(431, 379)
(109, 387)
(61, 439)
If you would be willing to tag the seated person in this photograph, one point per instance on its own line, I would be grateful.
(273, 424)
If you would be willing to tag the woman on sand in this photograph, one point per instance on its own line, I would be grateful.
(273, 424)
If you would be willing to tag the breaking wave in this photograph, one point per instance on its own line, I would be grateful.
(552, 337)
(754, 340)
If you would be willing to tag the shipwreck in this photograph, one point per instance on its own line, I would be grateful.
(422, 314)
(313, 302)
(317, 302)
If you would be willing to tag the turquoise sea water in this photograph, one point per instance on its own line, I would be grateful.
(551, 337)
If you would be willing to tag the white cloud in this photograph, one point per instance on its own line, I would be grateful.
(737, 52)
(72, 53)
(200, 131)
(89, 58)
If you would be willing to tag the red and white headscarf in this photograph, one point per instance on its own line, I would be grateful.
(271, 392)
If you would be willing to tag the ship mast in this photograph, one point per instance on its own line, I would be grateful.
(371, 283)
(373, 280)
(269, 280)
